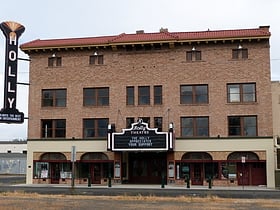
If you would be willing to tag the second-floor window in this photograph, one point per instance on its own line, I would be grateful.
(194, 126)
(53, 128)
(144, 95)
(241, 93)
(129, 95)
(54, 98)
(158, 123)
(95, 127)
(242, 126)
(96, 96)
(158, 95)
(194, 94)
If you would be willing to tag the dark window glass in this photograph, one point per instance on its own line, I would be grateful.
(95, 127)
(242, 126)
(158, 94)
(240, 53)
(56, 98)
(54, 61)
(194, 126)
(193, 55)
(96, 59)
(129, 121)
(96, 96)
(158, 123)
(129, 95)
(146, 120)
(144, 95)
(53, 128)
(194, 94)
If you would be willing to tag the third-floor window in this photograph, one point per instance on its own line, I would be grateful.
(157, 94)
(144, 95)
(194, 94)
(129, 95)
(54, 98)
(241, 93)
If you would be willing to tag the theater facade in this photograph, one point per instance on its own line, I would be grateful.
(152, 108)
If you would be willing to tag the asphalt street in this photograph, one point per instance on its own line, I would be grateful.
(12, 184)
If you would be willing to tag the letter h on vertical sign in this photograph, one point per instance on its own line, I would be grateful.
(9, 114)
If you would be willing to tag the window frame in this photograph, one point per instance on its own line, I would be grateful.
(194, 96)
(158, 123)
(54, 61)
(95, 98)
(240, 54)
(54, 100)
(193, 55)
(96, 59)
(194, 127)
(144, 95)
(130, 95)
(242, 125)
(96, 128)
(129, 121)
(240, 95)
(158, 95)
(53, 129)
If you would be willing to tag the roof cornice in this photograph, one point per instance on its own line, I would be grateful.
(148, 38)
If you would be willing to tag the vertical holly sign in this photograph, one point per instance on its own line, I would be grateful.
(9, 113)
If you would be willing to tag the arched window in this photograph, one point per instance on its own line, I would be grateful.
(53, 156)
(239, 155)
(196, 156)
(94, 156)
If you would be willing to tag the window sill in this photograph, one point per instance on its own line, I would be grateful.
(204, 104)
(242, 103)
(53, 107)
(194, 61)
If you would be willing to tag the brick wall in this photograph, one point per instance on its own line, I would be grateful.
(167, 67)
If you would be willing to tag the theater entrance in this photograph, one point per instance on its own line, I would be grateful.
(147, 167)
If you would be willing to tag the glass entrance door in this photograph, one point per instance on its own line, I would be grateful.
(147, 168)
(55, 173)
(196, 174)
(96, 173)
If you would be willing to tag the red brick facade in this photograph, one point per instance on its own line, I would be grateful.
(152, 62)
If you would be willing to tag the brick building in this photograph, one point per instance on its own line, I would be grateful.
(204, 98)
(275, 88)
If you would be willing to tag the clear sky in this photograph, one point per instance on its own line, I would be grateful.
(85, 18)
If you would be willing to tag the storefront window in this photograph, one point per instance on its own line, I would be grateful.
(224, 171)
(41, 170)
(278, 158)
(232, 171)
(66, 171)
(211, 170)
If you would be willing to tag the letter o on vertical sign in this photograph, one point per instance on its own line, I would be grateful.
(12, 55)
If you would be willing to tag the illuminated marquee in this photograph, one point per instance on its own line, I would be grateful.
(140, 138)
(9, 113)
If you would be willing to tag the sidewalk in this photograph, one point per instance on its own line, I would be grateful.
(136, 186)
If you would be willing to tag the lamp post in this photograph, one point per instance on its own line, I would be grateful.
(73, 159)
(243, 161)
